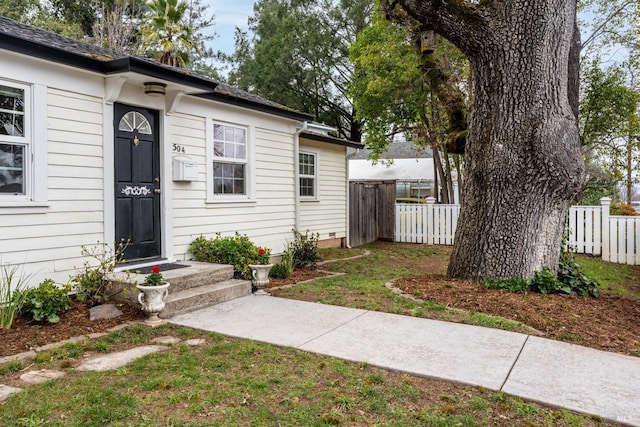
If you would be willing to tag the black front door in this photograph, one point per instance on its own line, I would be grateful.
(137, 181)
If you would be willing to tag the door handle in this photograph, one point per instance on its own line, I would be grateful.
(157, 191)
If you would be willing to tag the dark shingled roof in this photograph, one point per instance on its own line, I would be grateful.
(56, 41)
(53, 47)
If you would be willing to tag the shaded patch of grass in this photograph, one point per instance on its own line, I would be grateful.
(329, 254)
(12, 367)
(621, 279)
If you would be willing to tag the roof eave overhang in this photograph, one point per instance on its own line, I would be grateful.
(245, 103)
(330, 139)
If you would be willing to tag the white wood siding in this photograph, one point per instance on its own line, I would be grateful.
(46, 243)
(267, 220)
(328, 214)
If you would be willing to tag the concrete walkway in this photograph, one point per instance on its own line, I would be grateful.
(542, 370)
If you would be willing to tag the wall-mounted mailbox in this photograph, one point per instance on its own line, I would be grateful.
(185, 169)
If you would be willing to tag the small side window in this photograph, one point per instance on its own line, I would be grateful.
(308, 172)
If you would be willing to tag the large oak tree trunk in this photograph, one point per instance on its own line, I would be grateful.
(522, 160)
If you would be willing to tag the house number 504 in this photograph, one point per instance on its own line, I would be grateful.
(178, 148)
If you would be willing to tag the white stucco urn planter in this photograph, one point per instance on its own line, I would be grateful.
(152, 299)
(260, 273)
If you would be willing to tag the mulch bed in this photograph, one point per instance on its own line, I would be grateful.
(26, 335)
(610, 322)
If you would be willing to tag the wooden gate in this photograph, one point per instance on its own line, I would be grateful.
(371, 211)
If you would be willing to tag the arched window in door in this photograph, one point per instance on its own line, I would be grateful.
(133, 120)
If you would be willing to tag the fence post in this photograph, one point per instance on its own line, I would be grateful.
(605, 203)
(430, 223)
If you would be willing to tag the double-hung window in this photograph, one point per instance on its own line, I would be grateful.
(308, 172)
(230, 165)
(14, 141)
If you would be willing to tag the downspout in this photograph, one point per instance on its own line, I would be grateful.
(296, 175)
(348, 215)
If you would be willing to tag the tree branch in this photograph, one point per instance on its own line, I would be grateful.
(459, 21)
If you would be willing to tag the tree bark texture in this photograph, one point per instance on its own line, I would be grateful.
(523, 164)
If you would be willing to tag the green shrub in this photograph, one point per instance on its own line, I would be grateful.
(305, 249)
(569, 280)
(572, 276)
(515, 284)
(91, 283)
(11, 297)
(46, 302)
(236, 250)
(545, 282)
(284, 268)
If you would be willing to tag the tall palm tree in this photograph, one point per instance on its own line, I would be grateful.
(165, 34)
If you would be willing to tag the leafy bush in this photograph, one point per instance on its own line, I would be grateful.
(515, 284)
(569, 280)
(545, 282)
(305, 249)
(46, 302)
(92, 281)
(283, 269)
(572, 276)
(236, 250)
(623, 209)
(11, 297)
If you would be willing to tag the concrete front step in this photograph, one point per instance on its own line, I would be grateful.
(195, 274)
(187, 300)
(196, 286)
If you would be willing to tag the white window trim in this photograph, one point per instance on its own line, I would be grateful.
(250, 172)
(316, 177)
(35, 141)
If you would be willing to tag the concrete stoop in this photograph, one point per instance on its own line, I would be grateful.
(195, 286)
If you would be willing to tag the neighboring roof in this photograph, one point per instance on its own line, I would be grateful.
(397, 150)
(53, 47)
(401, 170)
(322, 137)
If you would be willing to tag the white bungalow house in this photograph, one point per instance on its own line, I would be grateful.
(96, 146)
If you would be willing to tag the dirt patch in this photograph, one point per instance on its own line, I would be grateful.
(298, 276)
(607, 323)
(25, 335)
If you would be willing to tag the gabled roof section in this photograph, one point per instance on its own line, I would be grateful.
(34, 42)
(322, 137)
(397, 150)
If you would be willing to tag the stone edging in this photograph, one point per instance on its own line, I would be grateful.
(329, 274)
(27, 355)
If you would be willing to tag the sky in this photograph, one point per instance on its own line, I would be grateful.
(229, 14)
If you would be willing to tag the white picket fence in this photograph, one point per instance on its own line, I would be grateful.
(431, 224)
(618, 242)
(591, 229)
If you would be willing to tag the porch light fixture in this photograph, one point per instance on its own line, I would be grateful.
(155, 89)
